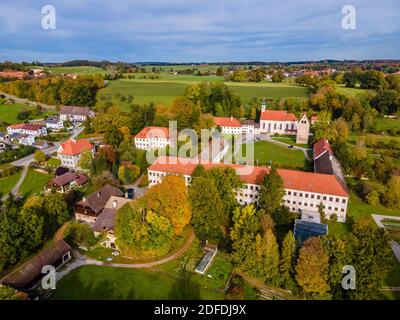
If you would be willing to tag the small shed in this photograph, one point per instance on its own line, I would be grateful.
(205, 262)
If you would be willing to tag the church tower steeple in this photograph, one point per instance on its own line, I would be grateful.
(263, 105)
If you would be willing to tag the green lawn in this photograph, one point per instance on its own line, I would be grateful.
(54, 162)
(351, 92)
(33, 183)
(106, 283)
(7, 183)
(77, 70)
(291, 140)
(384, 124)
(284, 157)
(165, 91)
(9, 112)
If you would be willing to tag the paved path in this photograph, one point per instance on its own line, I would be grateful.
(81, 260)
(286, 145)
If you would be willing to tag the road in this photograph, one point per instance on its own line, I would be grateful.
(25, 162)
(25, 101)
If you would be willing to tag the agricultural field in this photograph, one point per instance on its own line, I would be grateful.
(350, 92)
(165, 91)
(283, 157)
(108, 283)
(9, 112)
(33, 183)
(78, 70)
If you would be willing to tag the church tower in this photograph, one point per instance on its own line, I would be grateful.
(303, 130)
(263, 105)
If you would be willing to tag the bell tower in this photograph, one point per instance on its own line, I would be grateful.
(303, 130)
(263, 105)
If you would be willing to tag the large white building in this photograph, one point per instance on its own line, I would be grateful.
(35, 130)
(75, 114)
(305, 191)
(152, 138)
(54, 123)
(228, 125)
(71, 150)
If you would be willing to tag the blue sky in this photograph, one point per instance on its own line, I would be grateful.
(199, 30)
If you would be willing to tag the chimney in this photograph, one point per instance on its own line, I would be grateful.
(98, 195)
(114, 204)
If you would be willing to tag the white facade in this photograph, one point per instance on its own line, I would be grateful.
(296, 200)
(72, 117)
(231, 130)
(26, 129)
(55, 125)
(69, 161)
(280, 127)
(151, 143)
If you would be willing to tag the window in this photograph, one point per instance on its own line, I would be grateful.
(324, 197)
(312, 196)
(330, 198)
(343, 200)
(337, 199)
(318, 197)
(295, 193)
(289, 193)
(306, 195)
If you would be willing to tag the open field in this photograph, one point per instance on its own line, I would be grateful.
(34, 182)
(9, 112)
(164, 91)
(385, 124)
(283, 157)
(7, 183)
(350, 92)
(107, 283)
(77, 70)
(291, 140)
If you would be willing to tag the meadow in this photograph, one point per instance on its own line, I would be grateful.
(7, 183)
(33, 183)
(9, 112)
(164, 91)
(78, 70)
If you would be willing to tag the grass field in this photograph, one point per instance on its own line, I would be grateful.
(384, 124)
(106, 283)
(265, 151)
(350, 92)
(9, 112)
(7, 183)
(164, 91)
(77, 70)
(33, 183)
(291, 140)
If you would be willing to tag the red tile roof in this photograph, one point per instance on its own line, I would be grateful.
(32, 127)
(320, 147)
(295, 180)
(277, 115)
(13, 74)
(74, 147)
(153, 132)
(226, 122)
(16, 126)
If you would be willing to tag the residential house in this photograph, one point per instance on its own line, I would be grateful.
(105, 222)
(152, 138)
(303, 190)
(54, 123)
(11, 74)
(67, 181)
(23, 138)
(90, 208)
(35, 130)
(71, 150)
(75, 114)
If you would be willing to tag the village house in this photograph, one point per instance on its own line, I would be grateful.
(54, 123)
(90, 208)
(71, 150)
(35, 130)
(228, 125)
(105, 222)
(75, 114)
(304, 190)
(67, 181)
(152, 138)
(11, 74)
(22, 138)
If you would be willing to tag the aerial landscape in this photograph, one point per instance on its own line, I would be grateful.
(184, 160)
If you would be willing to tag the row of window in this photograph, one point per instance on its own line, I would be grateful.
(311, 205)
(312, 196)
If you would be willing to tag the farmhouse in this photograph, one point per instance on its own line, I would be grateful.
(67, 181)
(304, 190)
(10, 74)
(23, 138)
(75, 114)
(90, 208)
(71, 150)
(152, 138)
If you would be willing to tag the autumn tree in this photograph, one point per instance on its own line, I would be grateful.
(39, 156)
(272, 191)
(269, 252)
(286, 264)
(170, 199)
(7, 293)
(86, 159)
(312, 267)
(206, 208)
(128, 174)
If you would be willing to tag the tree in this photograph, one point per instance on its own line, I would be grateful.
(170, 199)
(270, 254)
(113, 136)
(371, 258)
(56, 212)
(128, 174)
(186, 112)
(86, 159)
(104, 178)
(206, 208)
(7, 293)
(392, 196)
(287, 260)
(39, 156)
(272, 191)
(342, 129)
(244, 231)
(278, 76)
(312, 267)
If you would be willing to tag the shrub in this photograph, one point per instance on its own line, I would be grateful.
(81, 233)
